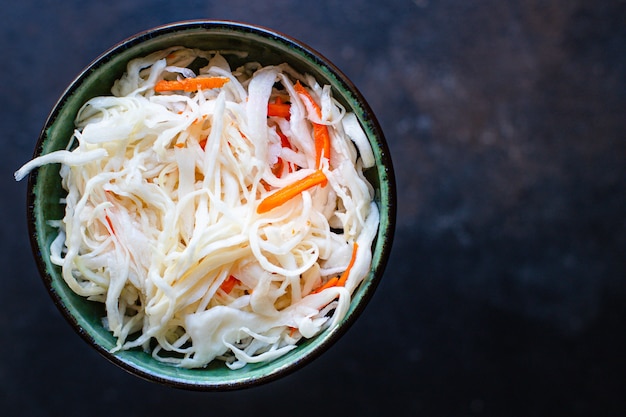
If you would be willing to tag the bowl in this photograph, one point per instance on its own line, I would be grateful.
(44, 192)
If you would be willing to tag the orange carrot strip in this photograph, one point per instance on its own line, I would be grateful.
(190, 84)
(304, 93)
(292, 331)
(284, 140)
(344, 276)
(265, 185)
(202, 143)
(110, 197)
(340, 281)
(277, 169)
(322, 142)
(228, 284)
(330, 283)
(320, 131)
(288, 192)
(279, 110)
(108, 219)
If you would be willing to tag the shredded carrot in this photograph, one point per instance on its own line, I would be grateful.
(179, 145)
(344, 276)
(108, 219)
(339, 281)
(322, 142)
(330, 283)
(304, 93)
(265, 185)
(202, 143)
(277, 169)
(320, 131)
(284, 140)
(190, 84)
(292, 331)
(279, 110)
(228, 284)
(288, 192)
(110, 197)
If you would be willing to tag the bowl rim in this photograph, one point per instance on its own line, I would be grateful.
(376, 271)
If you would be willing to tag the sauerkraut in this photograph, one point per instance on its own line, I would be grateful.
(165, 182)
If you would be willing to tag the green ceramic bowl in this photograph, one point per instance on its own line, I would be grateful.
(44, 192)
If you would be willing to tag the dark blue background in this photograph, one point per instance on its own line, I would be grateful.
(506, 291)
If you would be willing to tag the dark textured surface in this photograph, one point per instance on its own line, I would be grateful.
(506, 291)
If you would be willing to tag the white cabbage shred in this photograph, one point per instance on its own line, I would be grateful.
(161, 221)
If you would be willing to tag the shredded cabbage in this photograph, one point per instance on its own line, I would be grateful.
(161, 223)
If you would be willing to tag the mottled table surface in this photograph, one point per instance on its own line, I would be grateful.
(505, 294)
